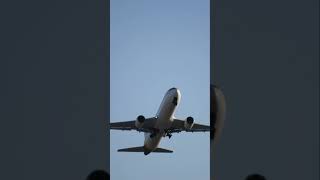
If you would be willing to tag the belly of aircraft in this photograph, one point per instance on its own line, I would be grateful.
(152, 143)
(164, 121)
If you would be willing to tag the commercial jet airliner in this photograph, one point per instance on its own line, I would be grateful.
(162, 125)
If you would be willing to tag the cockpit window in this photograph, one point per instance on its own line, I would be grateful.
(175, 101)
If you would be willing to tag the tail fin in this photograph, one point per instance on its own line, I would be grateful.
(143, 149)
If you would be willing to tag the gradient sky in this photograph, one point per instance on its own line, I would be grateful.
(156, 45)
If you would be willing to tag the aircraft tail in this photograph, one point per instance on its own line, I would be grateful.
(143, 149)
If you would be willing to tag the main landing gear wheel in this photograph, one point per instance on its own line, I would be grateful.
(169, 135)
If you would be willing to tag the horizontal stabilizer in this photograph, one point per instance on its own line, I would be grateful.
(142, 149)
(161, 150)
(133, 149)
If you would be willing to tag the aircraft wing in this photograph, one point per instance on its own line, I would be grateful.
(178, 126)
(130, 125)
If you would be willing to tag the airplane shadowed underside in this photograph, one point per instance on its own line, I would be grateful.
(162, 125)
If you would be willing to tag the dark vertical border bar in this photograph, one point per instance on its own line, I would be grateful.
(55, 89)
(212, 108)
(279, 53)
(108, 85)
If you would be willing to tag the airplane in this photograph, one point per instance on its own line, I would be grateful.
(162, 125)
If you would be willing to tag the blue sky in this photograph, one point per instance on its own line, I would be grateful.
(156, 45)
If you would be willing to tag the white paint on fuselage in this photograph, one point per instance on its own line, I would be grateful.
(165, 117)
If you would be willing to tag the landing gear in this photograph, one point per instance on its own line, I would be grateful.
(169, 135)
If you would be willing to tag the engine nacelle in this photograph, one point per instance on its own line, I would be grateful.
(188, 123)
(139, 121)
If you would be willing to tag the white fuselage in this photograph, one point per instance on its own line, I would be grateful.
(164, 119)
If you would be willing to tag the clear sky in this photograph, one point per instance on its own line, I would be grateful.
(156, 45)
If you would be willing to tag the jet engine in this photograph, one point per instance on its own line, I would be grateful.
(139, 121)
(188, 123)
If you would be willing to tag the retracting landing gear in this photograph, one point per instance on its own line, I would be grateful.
(167, 133)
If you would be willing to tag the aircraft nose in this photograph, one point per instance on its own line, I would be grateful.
(175, 91)
(178, 93)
